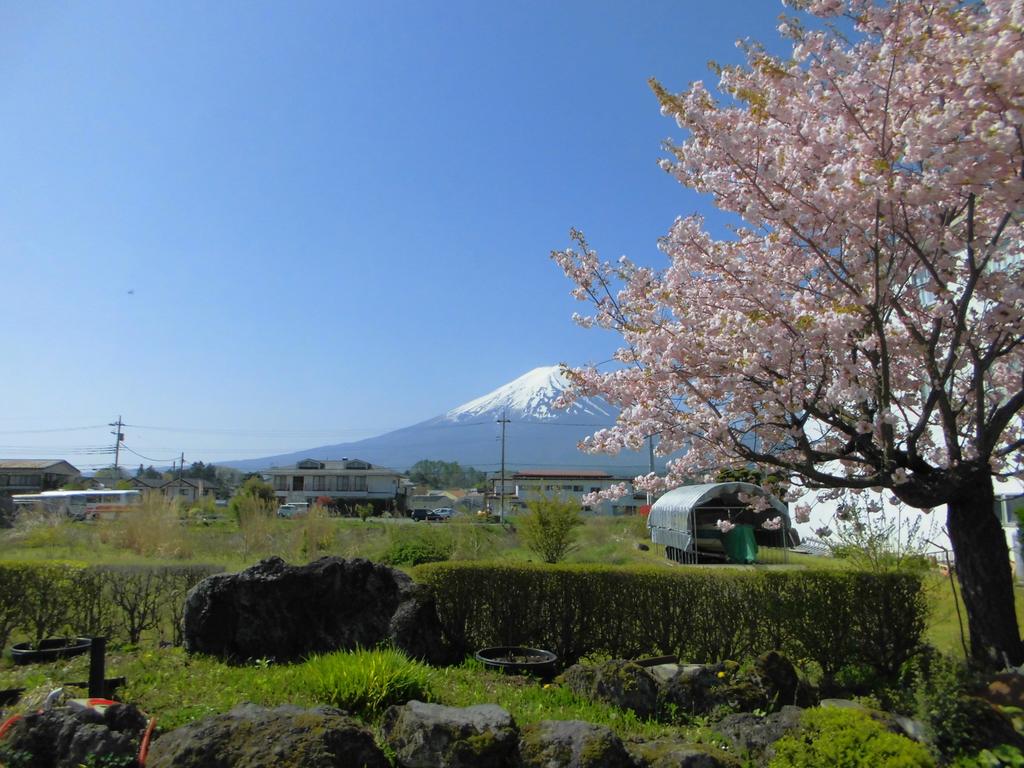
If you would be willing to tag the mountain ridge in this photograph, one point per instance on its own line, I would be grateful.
(538, 435)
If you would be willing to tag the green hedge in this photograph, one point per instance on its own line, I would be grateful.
(832, 617)
(46, 599)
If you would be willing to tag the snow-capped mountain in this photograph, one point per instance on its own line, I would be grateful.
(531, 396)
(537, 436)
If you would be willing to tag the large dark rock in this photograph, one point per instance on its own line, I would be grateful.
(754, 734)
(435, 736)
(285, 612)
(623, 684)
(571, 744)
(255, 737)
(64, 737)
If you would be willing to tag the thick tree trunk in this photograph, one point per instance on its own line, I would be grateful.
(983, 566)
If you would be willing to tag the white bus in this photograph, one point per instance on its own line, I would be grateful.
(79, 505)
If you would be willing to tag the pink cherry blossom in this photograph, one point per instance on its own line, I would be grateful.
(863, 327)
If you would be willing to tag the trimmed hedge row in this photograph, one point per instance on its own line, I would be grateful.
(53, 599)
(835, 618)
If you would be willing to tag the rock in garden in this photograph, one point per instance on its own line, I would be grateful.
(778, 677)
(755, 734)
(256, 737)
(620, 683)
(434, 736)
(668, 753)
(64, 737)
(571, 744)
(286, 612)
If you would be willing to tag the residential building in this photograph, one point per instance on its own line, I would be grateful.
(189, 489)
(35, 475)
(523, 486)
(346, 482)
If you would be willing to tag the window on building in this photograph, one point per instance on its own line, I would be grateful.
(359, 483)
(343, 483)
(280, 482)
(318, 482)
(298, 483)
(1006, 510)
(577, 489)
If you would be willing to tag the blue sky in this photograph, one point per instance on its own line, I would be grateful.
(256, 227)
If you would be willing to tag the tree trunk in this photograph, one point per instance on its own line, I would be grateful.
(986, 583)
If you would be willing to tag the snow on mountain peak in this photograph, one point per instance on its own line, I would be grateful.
(532, 396)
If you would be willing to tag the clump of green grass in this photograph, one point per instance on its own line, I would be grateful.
(365, 682)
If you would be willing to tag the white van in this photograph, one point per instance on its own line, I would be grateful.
(295, 509)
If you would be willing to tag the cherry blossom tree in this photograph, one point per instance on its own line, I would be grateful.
(861, 329)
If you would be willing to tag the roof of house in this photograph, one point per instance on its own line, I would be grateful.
(35, 464)
(352, 465)
(567, 474)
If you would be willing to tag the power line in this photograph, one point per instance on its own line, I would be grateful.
(147, 458)
(40, 431)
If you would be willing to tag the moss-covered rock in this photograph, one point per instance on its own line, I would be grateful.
(670, 753)
(64, 737)
(621, 683)
(571, 744)
(255, 737)
(434, 736)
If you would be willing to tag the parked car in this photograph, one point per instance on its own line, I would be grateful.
(445, 513)
(292, 510)
(420, 514)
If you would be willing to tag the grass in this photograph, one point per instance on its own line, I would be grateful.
(177, 688)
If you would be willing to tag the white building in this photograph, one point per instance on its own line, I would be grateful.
(930, 525)
(530, 484)
(346, 482)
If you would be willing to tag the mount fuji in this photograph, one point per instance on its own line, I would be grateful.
(537, 436)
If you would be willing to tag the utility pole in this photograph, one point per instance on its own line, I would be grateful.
(181, 467)
(503, 421)
(118, 437)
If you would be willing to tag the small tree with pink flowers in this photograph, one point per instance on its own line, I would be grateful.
(863, 327)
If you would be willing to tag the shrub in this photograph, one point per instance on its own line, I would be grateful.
(153, 529)
(413, 546)
(549, 527)
(49, 599)
(255, 523)
(832, 618)
(365, 683)
(314, 533)
(846, 738)
(12, 600)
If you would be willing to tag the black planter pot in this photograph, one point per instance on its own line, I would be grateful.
(517, 660)
(50, 649)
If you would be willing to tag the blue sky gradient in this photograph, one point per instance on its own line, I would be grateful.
(254, 227)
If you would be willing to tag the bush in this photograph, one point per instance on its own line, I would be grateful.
(846, 738)
(833, 618)
(153, 529)
(47, 599)
(549, 527)
(364, 683)
(416, 545)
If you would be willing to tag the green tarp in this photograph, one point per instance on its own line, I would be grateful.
(739, 544)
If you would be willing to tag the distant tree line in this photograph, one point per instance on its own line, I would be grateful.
(445, 474)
